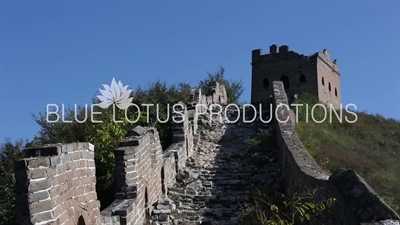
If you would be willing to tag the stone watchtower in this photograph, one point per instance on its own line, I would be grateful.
(315, 74)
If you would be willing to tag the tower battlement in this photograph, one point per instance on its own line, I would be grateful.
(316, 74)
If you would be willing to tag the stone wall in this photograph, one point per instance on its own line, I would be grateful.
(144, 171)
(299, 73)
(138, 167)
(56, 184)
(356, 201)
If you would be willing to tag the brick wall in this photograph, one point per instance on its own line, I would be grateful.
(303, 73)
(56, 185)
(144, 172)
(356, 201)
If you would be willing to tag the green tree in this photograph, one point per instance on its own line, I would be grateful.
(106, 135)
(234, 89)
(163, 97)
(9, 153)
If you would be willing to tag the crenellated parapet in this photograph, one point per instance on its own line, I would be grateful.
(315, 74)
(356, 201)
(56, 184)
(144, 171)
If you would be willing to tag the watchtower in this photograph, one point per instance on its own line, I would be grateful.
(315, 74)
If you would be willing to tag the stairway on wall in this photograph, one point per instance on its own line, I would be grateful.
(219, 178)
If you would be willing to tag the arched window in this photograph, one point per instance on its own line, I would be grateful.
(302, 78)
(323, 81)
(335, 92)
(81, 221)
(265, 82)
(285, 81)
(329, 87)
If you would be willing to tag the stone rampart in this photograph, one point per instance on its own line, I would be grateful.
(356, 201)
(56, 184)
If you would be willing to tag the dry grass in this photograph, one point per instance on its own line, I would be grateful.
(370, 146)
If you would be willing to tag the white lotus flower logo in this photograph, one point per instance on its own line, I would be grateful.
(116, 94)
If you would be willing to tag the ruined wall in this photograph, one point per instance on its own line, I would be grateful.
(144, 172)
(299, 73)
(356, 201)
(56, 184)
(138, 163)
(328, 79)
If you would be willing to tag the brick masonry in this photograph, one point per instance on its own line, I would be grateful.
(356, 201)
(56, 185)
(315, 74)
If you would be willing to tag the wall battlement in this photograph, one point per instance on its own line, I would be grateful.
(356, 201)
(315, 74)
(56, 183)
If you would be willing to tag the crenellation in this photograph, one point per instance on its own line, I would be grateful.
(301, 172)
(315, 74)
(53, 183)
(56, 184)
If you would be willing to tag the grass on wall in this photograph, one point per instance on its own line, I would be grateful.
(370, 146)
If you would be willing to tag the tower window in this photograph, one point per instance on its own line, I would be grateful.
(335, 92)
(285, 81)
(265, 82)
(302, 78)
(329, 87)
(323, 81)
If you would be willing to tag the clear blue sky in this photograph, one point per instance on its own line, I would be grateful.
(62, 52)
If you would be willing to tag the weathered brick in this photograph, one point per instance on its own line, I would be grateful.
(90, 172)
(61, 179)
(55, 161)
(74, 183)
(81, 164)
(36, 173)
(64, 217)
(42, 217)
(88, 154)
(61, 169)
(64, 187)
(51, 172)
(58, 200)
(69, 175)
(67, 158)
(76, 156)
(67, 148)
(37, 162)
(38, 196)
(54, 191)
(38, 207)
(39, 185)
(57, 210)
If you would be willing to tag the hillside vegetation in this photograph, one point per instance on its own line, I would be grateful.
(370, 146)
